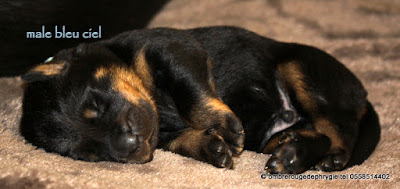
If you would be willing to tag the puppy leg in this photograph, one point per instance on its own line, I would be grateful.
(340, 150)
(342, 137)
(185, 75)
(177, 136)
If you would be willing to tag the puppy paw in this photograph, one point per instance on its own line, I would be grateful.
(203, 145)
(232, 132)
(333, 161)
(214, 114)
(217, 152)
(289, 157)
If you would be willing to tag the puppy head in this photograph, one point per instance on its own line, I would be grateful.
(88, 104)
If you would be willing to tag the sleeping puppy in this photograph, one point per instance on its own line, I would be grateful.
(113, 99)
(98, 102)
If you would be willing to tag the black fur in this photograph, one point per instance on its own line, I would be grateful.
(245, 75)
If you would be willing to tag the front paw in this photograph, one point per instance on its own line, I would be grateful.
(203, 145)
(212, 113)
(232, 132)
(290, 156)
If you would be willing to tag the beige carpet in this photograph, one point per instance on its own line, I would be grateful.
(364, 34)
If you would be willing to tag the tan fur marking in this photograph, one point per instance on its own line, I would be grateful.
(142, 69)
(280, 168)
(209, 112)
(328, 128)
(101, 72)
(211, 77)
(127, 83)
(50, 69)
(189, 140)
(128, 91)
(272, 144)
(307, 133)
(217, 105)
(292, 76)
(219, 137)
(90, 114)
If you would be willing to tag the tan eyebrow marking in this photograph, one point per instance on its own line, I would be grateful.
(133, 82)
(90, 113)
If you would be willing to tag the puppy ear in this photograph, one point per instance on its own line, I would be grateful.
(47, 70)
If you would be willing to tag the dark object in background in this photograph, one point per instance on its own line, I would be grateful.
(18, 54)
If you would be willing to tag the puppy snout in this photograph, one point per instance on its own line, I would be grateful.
(130, 139)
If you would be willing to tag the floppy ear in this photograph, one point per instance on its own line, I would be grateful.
(45, 71)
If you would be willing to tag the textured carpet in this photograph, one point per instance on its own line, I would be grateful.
(363, 34)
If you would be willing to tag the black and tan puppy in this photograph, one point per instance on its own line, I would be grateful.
(102, 101)
(99, 101)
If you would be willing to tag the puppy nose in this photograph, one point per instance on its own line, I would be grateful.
(128, 142)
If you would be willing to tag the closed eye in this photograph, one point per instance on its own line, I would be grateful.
(94, 106)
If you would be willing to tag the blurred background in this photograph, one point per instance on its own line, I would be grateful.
(356, 29)
(17, 53)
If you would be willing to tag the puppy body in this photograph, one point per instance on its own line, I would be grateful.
(181, 81)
